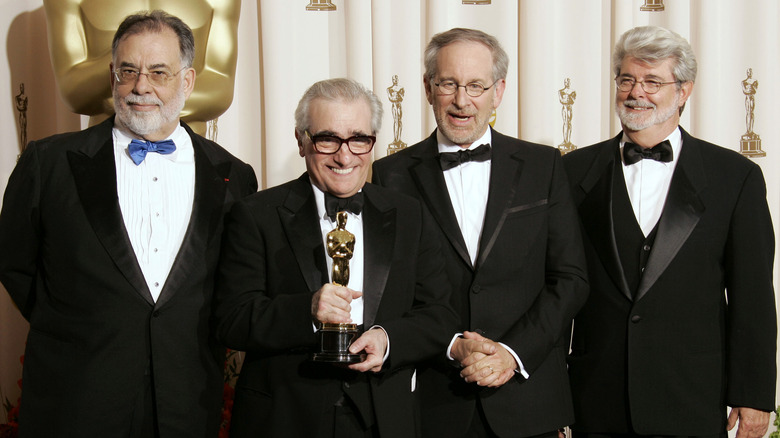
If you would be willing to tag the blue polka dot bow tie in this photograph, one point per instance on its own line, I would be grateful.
(139, 148)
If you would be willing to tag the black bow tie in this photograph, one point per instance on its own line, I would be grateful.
(333, 204)
(448, 160)
(633, 153)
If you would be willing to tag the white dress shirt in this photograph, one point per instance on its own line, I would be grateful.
(156, 202)
(468, 185)
(648, 181)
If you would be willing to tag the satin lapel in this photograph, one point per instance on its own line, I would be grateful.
(429, 178)
(505, 173)
(379, 225)
(95, 178)
(207, 210)
(596, 213)
(682, 211)
(299, 221)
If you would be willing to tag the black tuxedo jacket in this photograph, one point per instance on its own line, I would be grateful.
(272, 262)
(95, 332)
(528, 282)
(672, 358)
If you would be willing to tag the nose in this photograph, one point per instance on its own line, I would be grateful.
(142, 84)
(461, 98)
(637, 90)
(343, 155)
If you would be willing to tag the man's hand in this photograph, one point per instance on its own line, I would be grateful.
(374, 342)
(752, 422)
(331, 304)
(468, 345)
(489, 364)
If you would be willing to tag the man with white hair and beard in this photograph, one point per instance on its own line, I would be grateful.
(109, 239)
(680, 322)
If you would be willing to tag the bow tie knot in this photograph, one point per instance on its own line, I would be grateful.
(633, 153)
(352, 204)
(449, 160)
(138, 149)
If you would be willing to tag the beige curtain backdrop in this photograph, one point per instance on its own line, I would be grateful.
(283, 48)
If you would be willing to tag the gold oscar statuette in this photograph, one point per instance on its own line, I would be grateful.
(566, 96)
(395, 94)
(750, 143)
(652, 6)
(335, 338)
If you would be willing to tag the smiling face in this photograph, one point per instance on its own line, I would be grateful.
(654, 116)
(143, 110)
(461, 118)
(341, 174)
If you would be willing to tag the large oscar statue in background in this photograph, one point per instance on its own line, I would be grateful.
(80, 34)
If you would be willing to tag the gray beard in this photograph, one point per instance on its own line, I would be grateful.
(635, 122)
(142, 123)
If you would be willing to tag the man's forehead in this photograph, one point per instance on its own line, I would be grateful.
(164, 51)
(665, 65)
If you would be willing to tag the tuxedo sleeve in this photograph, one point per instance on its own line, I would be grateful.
(752, 320)
(250, 316)
(548, 321)
(20, 231)
(425, 329)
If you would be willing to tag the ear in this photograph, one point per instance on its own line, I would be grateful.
(300, 144)
(427, 87)
(686, 88)
(111, 75)
(498, 95)
(188, 76)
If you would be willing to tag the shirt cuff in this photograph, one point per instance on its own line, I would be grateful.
(520, 368)
(452, 342)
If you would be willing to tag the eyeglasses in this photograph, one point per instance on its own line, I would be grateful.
(157, 77)
(473, 89)
(330, 144)
(650, 87)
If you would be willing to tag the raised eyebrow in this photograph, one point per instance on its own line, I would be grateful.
(128, 65)
(359, 134)
(158, 67)
(330, 133)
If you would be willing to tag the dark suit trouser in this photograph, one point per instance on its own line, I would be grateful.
(479, 428)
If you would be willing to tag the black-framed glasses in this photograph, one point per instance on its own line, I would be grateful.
(473, 89)
(330, 144)
(625, 83)
(158, 77)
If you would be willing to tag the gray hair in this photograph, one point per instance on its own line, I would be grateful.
(651, 44)
(443, 39)
(344, 89)
(156, 21)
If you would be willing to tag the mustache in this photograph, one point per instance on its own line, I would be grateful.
(143, 100)
(638, 104)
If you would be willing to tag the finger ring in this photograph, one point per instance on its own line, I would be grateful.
(491, 369)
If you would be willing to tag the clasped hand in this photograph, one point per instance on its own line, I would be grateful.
(485, 362)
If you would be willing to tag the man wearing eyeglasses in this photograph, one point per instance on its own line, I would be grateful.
(680, 322)
(509, 237)
(274, 285)
(109, 239)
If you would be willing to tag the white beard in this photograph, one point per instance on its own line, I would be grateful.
(637, 122)
(144, 123)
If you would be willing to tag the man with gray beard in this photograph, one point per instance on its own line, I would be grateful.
(109, 239)
(680, 322)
